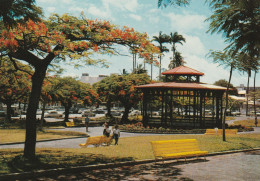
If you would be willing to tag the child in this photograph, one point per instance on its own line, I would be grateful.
(116, 133)
(106, 131)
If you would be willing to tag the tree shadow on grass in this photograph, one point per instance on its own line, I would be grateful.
(149, 171)
(60, 159)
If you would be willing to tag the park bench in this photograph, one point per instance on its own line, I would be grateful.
(183, 148)
(70, 124)
(220, 131)
(97, 141)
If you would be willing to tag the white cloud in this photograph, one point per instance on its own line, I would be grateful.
(212, 72)
(186, 22)
(153, 19)
(125, 5)
(77, 9)
(51, 9)
(154, 11)
(136, 17)
(192, 46)
(67, 1)
(46, 1)
(93, 10)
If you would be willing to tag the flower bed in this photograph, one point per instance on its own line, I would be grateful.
(139, 128)
(241, 128)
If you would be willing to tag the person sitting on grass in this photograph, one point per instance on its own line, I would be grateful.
(106, 131)
(116, 134)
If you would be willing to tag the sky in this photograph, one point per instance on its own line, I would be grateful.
(145, 16)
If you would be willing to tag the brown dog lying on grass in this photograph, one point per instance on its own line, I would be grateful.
(97, 141)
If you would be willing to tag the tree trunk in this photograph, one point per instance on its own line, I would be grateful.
(225, 111)
(160, 67)
(30, 137)
(67, 111)
(42, 115)
(247, 91)
(256, 122)
(108, 104)
(151, 71)
(125, 114)
(8, 111)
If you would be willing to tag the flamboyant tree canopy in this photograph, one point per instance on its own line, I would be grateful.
(69, 37)
(14, 84)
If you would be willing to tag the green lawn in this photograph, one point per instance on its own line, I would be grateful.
(18, 135)
(130, 148)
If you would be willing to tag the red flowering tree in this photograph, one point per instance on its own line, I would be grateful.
(41, 44)
(14, 85)
(126, 92)
(122, 88)
(70, 92)
(104, 89)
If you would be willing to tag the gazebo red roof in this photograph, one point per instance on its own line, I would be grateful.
(182, 70)
(181, 85)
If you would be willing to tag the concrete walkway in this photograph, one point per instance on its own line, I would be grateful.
(231, 167)
(97, 131)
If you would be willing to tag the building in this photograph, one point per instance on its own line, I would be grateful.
(85, 78)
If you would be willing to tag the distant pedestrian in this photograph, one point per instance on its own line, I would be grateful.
(86, 122)
(116, 134)
(106, 131)
(104, 125)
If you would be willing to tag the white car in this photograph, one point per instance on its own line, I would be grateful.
(53, 114)
(235, 113)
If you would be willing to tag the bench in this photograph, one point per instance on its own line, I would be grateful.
(220, 132)
(70, 124)
(182, 148)
(97, 141)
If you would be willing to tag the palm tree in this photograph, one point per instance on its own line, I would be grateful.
(228, 60)
(173, 2)
(247, 64)
(238, 20)
(176, 61)
(161, 39)
(176, 56)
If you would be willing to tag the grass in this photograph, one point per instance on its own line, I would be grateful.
(129, 148)
(247, 123)
(18, 135)
(229, 118)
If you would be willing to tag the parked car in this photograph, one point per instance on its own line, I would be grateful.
(115, 113)
(88, 113)
(235, 113)
(135, 113)
(2, 115)
(53, 114)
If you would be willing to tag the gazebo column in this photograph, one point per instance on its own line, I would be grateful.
(162, 117)
(145, 115)
(202, 122)
(194, 108)
(171, 107)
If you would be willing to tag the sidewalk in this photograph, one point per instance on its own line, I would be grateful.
(231, 167)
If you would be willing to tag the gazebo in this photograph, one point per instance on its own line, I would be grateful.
(182, 101)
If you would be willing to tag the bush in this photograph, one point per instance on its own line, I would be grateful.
(240, 128)
(139, 128)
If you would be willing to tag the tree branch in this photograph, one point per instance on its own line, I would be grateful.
(16, 67)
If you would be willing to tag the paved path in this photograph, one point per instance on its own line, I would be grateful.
(73, 143)
(93, 131)
(231, 167)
